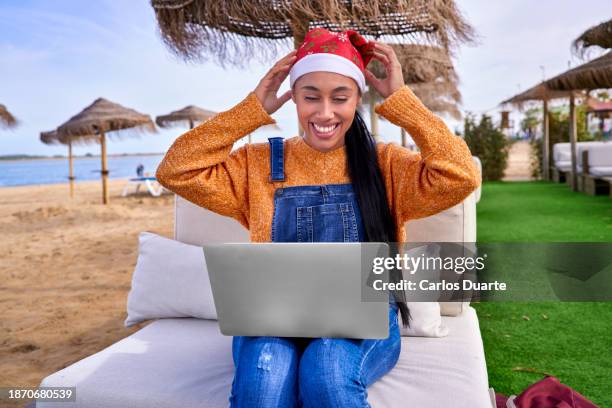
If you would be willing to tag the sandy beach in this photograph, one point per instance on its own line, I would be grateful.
(66, 267)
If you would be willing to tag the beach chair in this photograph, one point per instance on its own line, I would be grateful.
(562, 161)
(151, 184)
(187, 362)
(596, 166)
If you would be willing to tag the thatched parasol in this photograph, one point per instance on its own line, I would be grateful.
(420, 63)
(600, 35)
(595, 74)
(541, 92)
(189, 115)
(51, 138)
(429, 72)
(236, 32)
(7, 120)
(103, 116)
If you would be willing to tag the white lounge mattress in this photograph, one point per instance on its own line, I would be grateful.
(187, 363)
(602, 171)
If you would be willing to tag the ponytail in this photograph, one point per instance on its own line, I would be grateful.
(369, 188)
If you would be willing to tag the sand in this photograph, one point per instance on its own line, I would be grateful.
(519, 162)
(66, 267)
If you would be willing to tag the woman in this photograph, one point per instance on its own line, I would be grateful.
(332, 183)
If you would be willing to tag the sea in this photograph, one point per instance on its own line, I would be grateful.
(53, 171)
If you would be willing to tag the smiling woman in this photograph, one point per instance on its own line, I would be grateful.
(332, 183)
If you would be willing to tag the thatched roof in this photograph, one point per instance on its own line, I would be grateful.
(7, 120)
(50, 137)
(442, 106)
(107, 116)
(442, 98)
(539, 92)
(429, 72)
(236, 32)
(600, 35)
(595, 74)
(189, 114)
(420, 63)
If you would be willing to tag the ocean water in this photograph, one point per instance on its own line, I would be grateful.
(51, 171)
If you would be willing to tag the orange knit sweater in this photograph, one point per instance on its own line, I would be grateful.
(201, 166)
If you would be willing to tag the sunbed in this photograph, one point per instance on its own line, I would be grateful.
(186, 362)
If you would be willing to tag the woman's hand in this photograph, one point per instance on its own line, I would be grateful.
(395, 78)
(268, 86)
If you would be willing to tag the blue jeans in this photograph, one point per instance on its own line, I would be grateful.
(284, 372)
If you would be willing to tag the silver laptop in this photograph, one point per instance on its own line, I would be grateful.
(298, 289)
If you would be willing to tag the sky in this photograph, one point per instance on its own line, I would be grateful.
(58, 56)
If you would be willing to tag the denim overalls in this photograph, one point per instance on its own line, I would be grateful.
(267, 369)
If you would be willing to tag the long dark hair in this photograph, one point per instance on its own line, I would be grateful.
(369, 188)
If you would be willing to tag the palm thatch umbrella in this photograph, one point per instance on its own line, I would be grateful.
(7, 120)
(595, 74)
(189, 115)
(236, 32)
(541, 92)
(52, 138)
(429, 72)
(600, 35)
(99, 118)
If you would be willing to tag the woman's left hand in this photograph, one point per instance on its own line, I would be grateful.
(395, 78)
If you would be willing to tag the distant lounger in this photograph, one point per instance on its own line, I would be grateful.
(149, 182)
(596, 168)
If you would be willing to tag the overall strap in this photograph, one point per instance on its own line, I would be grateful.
(277, 171)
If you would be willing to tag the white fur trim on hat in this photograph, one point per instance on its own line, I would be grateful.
(329, 63)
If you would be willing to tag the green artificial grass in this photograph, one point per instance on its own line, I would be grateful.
(541, 212)
(524, 341)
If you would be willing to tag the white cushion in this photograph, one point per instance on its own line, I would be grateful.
(603, 171)
(188, 363)
(170, 280)
(426, 319)
(456, 224)
(599, 155)
(197, 226)
(562, 152)
(478, 163)
(563, 165)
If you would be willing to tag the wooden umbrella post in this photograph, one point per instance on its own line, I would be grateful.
(546, 143)
(404, 141)
(104, 169)
(70, 173)
(298, 38)
(373, 116)
(572, 132)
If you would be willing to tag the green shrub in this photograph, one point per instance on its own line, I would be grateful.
(489, 144)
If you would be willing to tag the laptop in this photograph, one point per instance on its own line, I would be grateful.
(298, 289)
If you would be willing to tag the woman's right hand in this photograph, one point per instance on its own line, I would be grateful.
(268, 86)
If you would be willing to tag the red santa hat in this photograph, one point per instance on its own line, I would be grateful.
(346, 53)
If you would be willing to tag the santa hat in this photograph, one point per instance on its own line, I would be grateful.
(346, 53)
